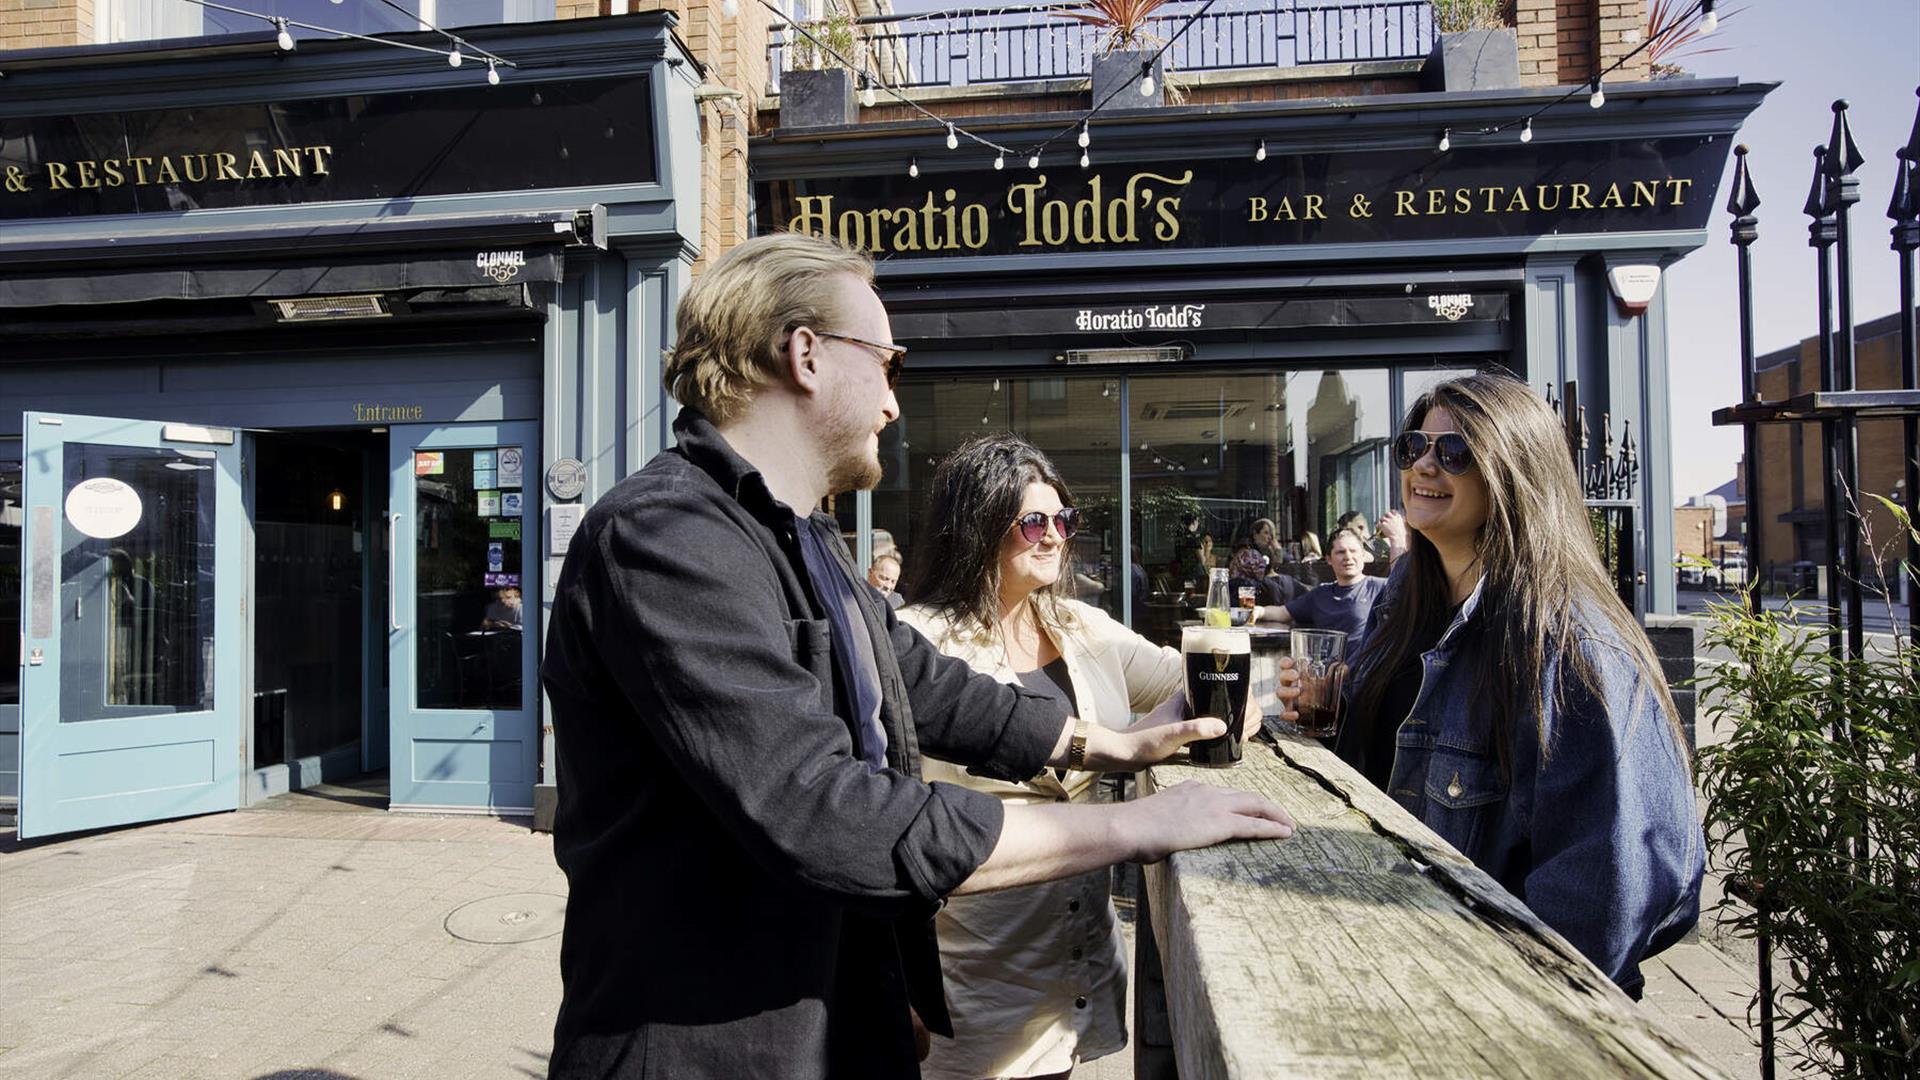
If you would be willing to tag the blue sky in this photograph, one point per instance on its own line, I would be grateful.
(1866, 51)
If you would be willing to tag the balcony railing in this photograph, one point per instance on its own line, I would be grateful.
(1002, 45)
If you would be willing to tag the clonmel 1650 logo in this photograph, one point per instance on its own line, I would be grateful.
(501, 266)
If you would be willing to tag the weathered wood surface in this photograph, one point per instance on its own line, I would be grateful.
(1365, 946)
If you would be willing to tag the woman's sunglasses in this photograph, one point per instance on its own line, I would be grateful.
(1451, 450)
(1033, 527)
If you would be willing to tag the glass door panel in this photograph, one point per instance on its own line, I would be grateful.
(1074, 420)
(463, 686)
(129, 703)
(1221, 461)
(12, 522)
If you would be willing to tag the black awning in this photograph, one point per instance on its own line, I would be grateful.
(280, 278)
(1192, 314)
(287, 261)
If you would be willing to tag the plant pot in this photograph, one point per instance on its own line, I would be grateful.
(817, 99)
(1118, 74)
(1473, 60)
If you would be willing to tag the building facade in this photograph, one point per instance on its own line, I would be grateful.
(1216, 318)
(1791, 509)
(309, 360)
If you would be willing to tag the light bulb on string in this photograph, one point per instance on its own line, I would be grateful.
(953, 138)
(913, 167)
(285, 38)
(996, 386)
(1526, 133)
(1084, 159)
(1598, 97)
(1446, 140)
(866, 92)
(1033, 161)
(1709, 19)
(1260, 154)
(1146, 80)
(1000, 161)
(493, 74)
(1085, 139)
(453, 57)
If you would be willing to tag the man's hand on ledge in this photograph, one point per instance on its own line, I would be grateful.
(1196, 815)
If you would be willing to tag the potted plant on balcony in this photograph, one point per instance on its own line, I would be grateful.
(1124, 48)
(1476, 47)
(817, 89)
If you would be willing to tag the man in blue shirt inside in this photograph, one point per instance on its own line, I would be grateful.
(1343, 603)
(753, 862)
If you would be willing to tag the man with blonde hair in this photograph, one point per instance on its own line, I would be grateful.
(753, 862)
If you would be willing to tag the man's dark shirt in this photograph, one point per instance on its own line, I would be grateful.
(747, 898)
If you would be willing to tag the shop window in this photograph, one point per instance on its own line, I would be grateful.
(11, 521)
(1075, 421)
(147, 20)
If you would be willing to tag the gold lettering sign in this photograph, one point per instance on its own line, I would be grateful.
(136, 170)
(386, 414)
(1147, 205)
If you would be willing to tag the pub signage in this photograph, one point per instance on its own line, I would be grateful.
(462, 140)
(1182, 318)
(1366, 196)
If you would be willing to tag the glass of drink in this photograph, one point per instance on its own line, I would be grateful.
(1319, 657)
(1219, 662)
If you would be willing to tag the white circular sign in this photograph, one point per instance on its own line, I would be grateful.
(104, 508)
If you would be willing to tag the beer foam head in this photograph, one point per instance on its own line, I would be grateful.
(1215, 639)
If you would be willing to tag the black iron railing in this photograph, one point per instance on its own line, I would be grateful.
(1001, 45)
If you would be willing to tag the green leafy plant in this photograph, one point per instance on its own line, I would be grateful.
(836, 32)
(1813, 815)
(1458, 16)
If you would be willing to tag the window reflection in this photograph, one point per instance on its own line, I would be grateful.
(136, 583)
(468, 610)
(1075, 420)
(12, 521)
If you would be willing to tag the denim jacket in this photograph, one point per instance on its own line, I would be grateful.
(1600, 836)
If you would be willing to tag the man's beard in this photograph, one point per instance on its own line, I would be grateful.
(854, 469)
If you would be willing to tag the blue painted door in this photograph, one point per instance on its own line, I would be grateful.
(132, 605)
(464, 734)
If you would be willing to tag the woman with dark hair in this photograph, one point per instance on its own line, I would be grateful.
(1036, 976)
(1508, 699)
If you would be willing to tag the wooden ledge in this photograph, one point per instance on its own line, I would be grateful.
(1366, 947)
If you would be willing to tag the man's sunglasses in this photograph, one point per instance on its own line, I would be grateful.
(1450, 450)
(892, 357)
(1033, 527)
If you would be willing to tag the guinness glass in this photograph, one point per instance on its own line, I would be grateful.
(1219, 664)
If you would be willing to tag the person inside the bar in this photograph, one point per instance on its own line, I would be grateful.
(1509, 699)
(1036, 976)
(883, 573)
(1342, 604)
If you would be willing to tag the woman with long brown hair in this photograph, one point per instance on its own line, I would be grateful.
(1506, 696)
(1036, 976)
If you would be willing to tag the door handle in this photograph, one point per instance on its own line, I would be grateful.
(393, 592)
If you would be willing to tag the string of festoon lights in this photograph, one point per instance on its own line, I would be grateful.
(1080, 127)
(1596, 97)
(868, 82)
(460, 51)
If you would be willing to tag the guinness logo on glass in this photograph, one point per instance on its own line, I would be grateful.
(1220, 658)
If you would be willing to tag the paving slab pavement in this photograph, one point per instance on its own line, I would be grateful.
(314, 937)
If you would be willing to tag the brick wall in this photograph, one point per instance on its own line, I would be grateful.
(1787, 486)
(1535, 23)
(1573, 35)
(1619, 30)
(45, 24)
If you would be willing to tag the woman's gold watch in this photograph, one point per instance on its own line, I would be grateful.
(1077, 746)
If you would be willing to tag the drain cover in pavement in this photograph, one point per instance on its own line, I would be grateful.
(509, 919)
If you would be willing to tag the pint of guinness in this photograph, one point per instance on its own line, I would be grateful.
(1219, 673)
